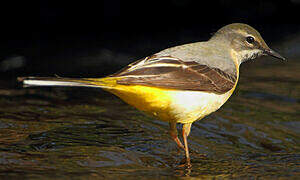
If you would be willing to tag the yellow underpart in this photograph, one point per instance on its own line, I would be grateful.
(151, 100)
(165, 104)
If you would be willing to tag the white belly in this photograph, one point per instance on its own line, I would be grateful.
(189, 106)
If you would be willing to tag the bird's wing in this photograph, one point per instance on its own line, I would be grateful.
(173, 73)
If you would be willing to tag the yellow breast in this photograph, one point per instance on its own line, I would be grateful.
(189, 106)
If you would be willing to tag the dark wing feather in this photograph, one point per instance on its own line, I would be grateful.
(172, 73)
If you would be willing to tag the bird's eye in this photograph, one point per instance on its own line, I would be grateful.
(250, 39)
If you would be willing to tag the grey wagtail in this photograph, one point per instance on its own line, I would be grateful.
(180, 84)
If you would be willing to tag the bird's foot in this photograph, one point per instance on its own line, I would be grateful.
(185, 163)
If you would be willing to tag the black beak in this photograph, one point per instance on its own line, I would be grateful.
(272, 53)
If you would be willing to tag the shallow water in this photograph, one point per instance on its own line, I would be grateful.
(87, 133)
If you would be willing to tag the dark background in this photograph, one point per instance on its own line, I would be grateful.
(95, 38)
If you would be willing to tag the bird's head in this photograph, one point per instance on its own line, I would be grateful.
(245, 41)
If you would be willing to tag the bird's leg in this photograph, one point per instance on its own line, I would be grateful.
(186, 129)
(174, 135)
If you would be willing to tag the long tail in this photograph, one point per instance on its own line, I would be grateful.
(75, 82)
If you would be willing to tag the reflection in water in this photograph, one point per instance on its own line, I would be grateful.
(63, 132)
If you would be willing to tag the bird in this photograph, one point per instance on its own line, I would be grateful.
(180, 84)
